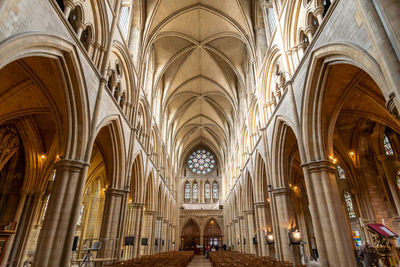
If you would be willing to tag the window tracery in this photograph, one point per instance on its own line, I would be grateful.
(201, 162)
(195, 195)
(207, 191)
(398, 179)
(387, 145)
(349, 205)
(187, 191)
(215, 191)
(271, 20)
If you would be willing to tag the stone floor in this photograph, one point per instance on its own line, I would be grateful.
(199, 261)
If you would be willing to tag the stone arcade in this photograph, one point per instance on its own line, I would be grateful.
(148, 126)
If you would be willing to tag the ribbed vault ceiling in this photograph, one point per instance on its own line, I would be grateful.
(200, 49)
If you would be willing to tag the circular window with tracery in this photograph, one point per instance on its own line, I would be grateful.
(201, 162)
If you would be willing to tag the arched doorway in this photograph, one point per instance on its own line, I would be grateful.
(212, 234)
(190, 235)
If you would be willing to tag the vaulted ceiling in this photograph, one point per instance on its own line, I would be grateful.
(201, 52)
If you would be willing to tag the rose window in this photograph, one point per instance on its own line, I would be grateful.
(201, 162)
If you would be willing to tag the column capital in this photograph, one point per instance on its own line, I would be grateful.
(319, 166)
(235, 220)
(319, 11)
(72, 165)
(302, 45)
(136, 205)
(251, 211)
(150, 212)
(309, 30)
(116, 191)
(261, 204)
(69, 3)
(240, 217)
(280, 191)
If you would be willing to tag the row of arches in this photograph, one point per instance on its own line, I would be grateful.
(59, 189)
(195, 235)
(323, 173)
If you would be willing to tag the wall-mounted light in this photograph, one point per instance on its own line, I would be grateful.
(333, 159)
(294, 237)
(351, 153)
(270, 238)
(43, 156)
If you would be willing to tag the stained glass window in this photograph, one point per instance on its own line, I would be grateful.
(387, 145)
(271, 20)
(398, 179)
(81, 214)
(201, 162)
(207, 191)
(187, 191)
(195, 194)
(341, 173)
(215, 190)
(349, 205)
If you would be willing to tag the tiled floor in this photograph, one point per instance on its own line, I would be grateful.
(199, 261)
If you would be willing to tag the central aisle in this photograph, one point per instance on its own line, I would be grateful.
(200, 261)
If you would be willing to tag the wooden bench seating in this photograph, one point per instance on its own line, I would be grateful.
(165, 259)
(238, 259)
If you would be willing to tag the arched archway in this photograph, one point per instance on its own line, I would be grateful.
(190, 236)
(37, 135)
(289, 195)
(212, 234)
(135, 208)
(345, 127)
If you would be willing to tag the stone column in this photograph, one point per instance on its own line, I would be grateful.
(319, 12)
(80, 29)
(249, 214)
(391, 164)
(235, 234)
(150, 225)
(261, 219)
(289, 54)
(295, 52)
(242, 234)
(301, 49)
(157, 235)
(20, 224)
(389, 61)
(309, 31)
(56, 237)
(229, 234)
(133, 228)
(164, 235)
(332, 232)
(111, 228)
(68, 6)
(285, 219)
